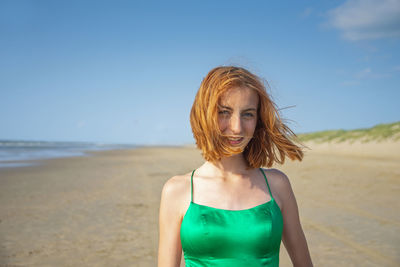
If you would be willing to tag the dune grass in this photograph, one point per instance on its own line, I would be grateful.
(380, 132)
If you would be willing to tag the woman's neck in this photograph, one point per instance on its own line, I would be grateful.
(234, 165)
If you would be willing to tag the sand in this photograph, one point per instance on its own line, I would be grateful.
(102, 210)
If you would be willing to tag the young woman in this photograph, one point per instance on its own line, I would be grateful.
(230, 211)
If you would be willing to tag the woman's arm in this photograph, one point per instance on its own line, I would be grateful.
(293, 236)
(169, 244)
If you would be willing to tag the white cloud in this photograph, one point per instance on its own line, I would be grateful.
(367, 19)
(363, 73)
(306, 12)
(367, 73)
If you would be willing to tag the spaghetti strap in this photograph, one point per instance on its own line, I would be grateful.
(191, 187)
(266, 180)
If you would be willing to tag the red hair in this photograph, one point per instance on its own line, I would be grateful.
(272, 140)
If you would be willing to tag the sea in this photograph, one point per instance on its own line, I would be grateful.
(16, 153)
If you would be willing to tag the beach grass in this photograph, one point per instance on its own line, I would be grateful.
(380, 132)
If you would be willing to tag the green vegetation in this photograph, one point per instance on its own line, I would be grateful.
(380, 132)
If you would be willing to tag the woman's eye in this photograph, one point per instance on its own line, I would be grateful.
(223, 112)
(248, 115)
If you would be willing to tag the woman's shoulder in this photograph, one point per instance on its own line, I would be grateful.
(277, 177)
(177, 184)
(279, 182)
(176, 191)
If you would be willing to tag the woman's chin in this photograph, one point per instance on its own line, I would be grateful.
(234, 150)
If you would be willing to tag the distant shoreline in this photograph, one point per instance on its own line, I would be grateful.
(26, 153)
(381, 139)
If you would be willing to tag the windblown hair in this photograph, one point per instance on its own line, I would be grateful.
(272, 140)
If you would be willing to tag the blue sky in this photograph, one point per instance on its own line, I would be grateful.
(128, 71)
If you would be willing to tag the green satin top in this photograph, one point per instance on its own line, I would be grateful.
(220, 237)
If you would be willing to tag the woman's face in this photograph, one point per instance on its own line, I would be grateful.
(237, 116)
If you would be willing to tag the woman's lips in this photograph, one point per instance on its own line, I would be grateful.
(235, 141)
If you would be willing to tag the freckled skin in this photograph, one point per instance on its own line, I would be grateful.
(237, 115)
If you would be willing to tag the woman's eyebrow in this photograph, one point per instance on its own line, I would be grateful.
(225, 107)
(229, 108)
(249, 109)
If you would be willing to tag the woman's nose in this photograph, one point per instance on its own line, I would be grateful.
(235, 124)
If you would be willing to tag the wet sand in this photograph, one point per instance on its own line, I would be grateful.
(102, 210)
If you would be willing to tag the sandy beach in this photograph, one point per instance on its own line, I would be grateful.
(102, 209)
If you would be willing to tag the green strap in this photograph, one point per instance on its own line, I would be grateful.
(191, 187)
(266, 180)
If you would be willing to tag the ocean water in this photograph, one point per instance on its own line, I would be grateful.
(23, 153)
